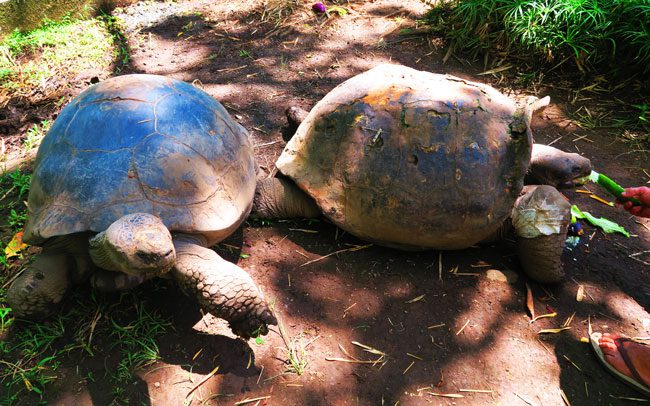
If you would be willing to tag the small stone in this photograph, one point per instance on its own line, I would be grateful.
(156, 384)
(502, 276)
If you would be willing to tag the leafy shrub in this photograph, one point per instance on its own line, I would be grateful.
(587, 33)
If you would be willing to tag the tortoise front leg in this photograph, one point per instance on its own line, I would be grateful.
(541, 218)
(36, 293)
(221, 288)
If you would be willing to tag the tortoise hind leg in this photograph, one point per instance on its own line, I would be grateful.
(221, 288)
(541, 217)
(36, 293)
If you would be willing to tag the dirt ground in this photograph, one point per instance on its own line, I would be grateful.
(463, 333)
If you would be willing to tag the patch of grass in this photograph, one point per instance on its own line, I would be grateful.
(35, 135)
(296, 358)
(55, 49)
(14, 187)
(34, 360)
(17, 219)
(136, 341)
(34, 351)
(5, 320)
(296, 348)
(121, 49)
(32, 354)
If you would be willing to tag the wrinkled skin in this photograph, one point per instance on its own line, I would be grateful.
(550, 166)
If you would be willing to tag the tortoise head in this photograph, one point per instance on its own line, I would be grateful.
(551, 166)
(136, 244)
(548, 165)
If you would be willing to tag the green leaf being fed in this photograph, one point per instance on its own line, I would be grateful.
(606, 225)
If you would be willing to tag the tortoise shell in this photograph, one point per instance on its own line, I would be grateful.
(412, 159)
(142, 143)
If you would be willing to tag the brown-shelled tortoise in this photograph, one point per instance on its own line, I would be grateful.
(137, 177)
(417, 160)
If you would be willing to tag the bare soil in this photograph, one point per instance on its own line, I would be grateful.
(444, 325)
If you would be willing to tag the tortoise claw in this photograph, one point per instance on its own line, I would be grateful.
(254, 326)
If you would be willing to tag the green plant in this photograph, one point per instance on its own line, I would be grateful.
(296, 351)
(30, 357)
(16, 180)
(586, 33)
(5, 265)
(35, 360)
(35, 135)
(53, 49)
(136, 340)
(17, 219)
(5, 319)
(121, 50)
(643, 113)
(296, 358)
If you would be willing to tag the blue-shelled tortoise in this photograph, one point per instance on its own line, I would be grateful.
(137, 177)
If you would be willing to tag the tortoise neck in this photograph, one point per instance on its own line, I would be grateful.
(72, 243)
(197, 239)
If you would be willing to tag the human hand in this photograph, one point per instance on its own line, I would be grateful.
(642, 194)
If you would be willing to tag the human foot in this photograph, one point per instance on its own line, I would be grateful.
(628, 357)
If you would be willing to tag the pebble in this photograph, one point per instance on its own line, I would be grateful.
(502, 276)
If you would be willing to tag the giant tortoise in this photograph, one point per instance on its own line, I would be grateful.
(137, 177)
(417, 160)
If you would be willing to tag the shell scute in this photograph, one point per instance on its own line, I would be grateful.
(109, 125)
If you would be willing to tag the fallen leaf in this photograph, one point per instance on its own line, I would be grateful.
(416, 299)
(564, 398)
(446, 395)
(529, 302)
(15, 245)
(543, 316)
(552, 330)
